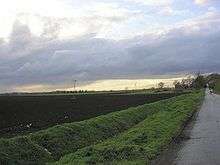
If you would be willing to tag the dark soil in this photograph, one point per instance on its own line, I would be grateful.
(22, 114)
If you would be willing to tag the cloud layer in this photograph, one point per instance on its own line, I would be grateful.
(59, 52)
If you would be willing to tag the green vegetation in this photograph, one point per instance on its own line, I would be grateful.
(22, 150)
(197, 82)
(217, 87)
(137, 133)
(214, 82)
(43, 111)
(66, 138)
(145, 140)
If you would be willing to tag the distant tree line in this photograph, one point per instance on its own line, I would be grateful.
(78, 91)
(191, 82)
(197, 82)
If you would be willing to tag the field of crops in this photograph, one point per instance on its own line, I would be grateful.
(135, 135)
(29, 113)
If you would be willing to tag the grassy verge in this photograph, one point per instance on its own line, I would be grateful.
(52, 143)
(217, 87)
(145, 140)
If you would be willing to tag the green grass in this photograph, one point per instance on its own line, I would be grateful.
(145, 140)
(22, 150)
(67, 138)
(217, 87)
(139, 133)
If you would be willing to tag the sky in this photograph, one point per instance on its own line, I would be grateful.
(47, 44)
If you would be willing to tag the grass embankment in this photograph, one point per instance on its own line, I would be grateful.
(52, 143)
(144, 141)
(149, 127)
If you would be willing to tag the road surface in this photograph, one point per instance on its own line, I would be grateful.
(202, 146)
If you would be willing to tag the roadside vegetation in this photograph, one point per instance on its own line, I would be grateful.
(217, 87)
(135, 134)
(22, 114)
(62, 139)
(145, 140)
(214, 82)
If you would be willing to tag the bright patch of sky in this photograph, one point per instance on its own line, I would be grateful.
(107, 19)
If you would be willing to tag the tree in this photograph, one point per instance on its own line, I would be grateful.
(187, 82)
(177, 85)
(199, 82)
(161, 85)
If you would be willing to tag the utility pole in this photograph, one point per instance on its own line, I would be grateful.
(74, 85)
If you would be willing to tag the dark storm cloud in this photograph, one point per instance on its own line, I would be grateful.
(27, 59)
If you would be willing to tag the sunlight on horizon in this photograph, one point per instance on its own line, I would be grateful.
(126, 84)
(104, 85)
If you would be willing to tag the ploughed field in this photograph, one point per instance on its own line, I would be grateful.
(21, 114)
(136, 135)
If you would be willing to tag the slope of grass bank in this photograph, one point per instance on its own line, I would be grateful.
(54, 142)
(145, 140)
(50, 144)
(45, 111)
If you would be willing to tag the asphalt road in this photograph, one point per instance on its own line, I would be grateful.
(202, 138)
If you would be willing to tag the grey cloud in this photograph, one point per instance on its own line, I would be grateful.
(20, 36)
(55, 62)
